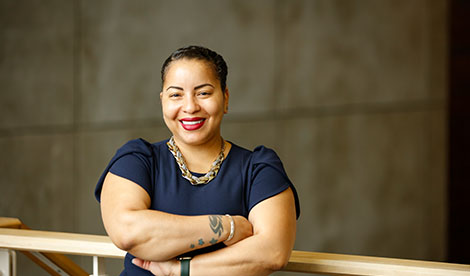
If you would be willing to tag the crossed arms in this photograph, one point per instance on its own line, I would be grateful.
(260, 245)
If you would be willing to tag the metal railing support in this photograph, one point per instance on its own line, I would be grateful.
(99, 267)
(7, 262)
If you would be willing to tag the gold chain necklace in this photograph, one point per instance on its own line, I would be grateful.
(184, 170)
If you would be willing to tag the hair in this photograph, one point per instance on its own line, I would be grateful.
(215, 60)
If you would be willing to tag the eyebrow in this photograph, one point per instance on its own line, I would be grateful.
(203, 85)
(195, 88)
(174, 87)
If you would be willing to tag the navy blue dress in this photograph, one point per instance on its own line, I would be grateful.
(245, 178)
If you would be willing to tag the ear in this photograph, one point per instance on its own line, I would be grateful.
(161, 95)
(226, 98)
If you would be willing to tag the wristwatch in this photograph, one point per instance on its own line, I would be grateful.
(184, 265)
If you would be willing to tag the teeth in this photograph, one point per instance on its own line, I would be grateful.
(191, 122)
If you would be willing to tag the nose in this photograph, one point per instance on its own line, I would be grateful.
(191, 105)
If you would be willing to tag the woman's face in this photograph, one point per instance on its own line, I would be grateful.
(193, 104)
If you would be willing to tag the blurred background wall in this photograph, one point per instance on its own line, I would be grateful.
(351, 94)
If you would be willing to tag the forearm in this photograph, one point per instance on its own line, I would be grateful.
(150, 234)
(255, 255)
(161, 236)
(251, 256)
(266, 251)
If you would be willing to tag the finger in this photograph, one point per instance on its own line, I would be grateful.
(137, 262)
(140, 263)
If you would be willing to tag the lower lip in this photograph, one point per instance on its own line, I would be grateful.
(193, 126)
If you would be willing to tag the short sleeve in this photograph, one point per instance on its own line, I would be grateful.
(133, 161)
(268, 178)
(134, 167)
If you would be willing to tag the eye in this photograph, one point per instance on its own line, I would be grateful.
(175, 95)
(204, 93)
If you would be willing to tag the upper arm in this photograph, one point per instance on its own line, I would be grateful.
(275, 218)
(126, 187)
(119, 196)
(123, 194)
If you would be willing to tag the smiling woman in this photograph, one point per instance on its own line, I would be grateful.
(194, 104)
(196, 204)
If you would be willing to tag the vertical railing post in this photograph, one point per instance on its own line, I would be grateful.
(99, 267)
(7, 262)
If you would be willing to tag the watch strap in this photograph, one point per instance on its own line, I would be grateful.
(185, 266)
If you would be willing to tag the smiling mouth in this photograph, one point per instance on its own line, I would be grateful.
(192, 124)
(189, 123)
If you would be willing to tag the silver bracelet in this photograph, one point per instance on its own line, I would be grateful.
(232, 228)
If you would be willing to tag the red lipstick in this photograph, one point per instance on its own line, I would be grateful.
(192, 123)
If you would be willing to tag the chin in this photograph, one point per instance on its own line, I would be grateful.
(192, 139)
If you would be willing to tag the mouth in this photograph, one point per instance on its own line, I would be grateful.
(192, 123)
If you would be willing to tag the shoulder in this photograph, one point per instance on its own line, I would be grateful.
(257, 159)
(265, 161)
(140, 146)
(258, 153)
(262, 154)
(135, 160)
(139, 151)
(267, 176)
(137, 145)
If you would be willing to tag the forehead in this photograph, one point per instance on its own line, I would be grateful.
(190, 67)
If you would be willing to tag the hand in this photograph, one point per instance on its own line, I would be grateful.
(168, 268)
(243, 229)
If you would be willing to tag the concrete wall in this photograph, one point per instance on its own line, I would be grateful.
(351, 94)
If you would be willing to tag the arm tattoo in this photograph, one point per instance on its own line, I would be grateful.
(216, 224)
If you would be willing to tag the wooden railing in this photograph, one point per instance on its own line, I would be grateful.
(54, 264)
(307, 262)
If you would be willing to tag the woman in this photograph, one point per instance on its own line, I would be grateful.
(174, 209)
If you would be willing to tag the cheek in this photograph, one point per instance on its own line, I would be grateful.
(169, 111)
(216, 109)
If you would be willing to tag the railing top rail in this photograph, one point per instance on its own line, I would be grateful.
(300, 261)
(341, 264)
(59, 242)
